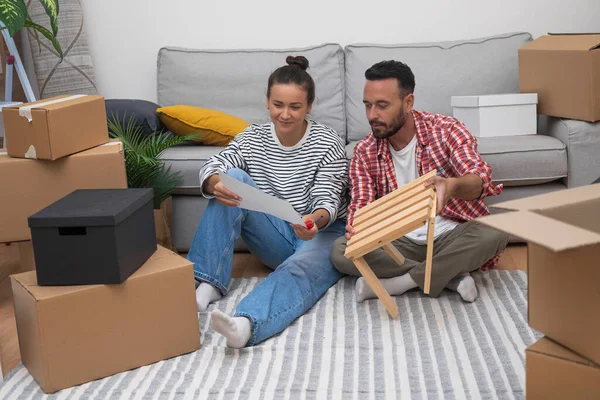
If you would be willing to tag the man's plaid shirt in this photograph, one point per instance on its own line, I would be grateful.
(444, 144)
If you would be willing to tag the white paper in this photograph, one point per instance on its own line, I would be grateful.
(255, 200)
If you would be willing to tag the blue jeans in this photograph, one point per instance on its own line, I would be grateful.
(302, 269)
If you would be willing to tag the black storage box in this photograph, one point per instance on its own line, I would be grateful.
(93, 236)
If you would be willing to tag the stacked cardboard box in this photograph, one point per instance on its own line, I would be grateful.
(73, 334)
(564, 70)
(28, 185)
(563, 234)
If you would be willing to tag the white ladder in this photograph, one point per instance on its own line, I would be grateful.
(18, 64)
(12, 49)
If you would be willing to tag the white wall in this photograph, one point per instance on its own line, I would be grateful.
(125, 35)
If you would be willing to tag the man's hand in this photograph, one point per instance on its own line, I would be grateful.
(226, 196)
(467, 187)
(444, 188)
(303, 232)
(350, 231)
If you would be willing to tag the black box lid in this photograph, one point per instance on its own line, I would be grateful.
(91, 207)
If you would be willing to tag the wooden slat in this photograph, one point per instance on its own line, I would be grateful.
(390, 210)
(391, 233)
(377, 286)
(391, 200)
(394, 253)
(430, 231)
(419, 181)
(373, 232)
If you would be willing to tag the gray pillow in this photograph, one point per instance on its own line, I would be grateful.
(143, 113)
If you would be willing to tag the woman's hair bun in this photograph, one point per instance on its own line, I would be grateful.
(300, 61)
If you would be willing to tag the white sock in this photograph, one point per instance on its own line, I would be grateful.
(237, 330)
(395, 286)
(206, 294)
(465, 286)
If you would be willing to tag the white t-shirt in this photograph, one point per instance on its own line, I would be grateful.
(405, 166)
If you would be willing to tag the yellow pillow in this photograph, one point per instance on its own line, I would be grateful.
(214, 128)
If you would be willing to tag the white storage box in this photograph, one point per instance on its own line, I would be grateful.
(498, 114)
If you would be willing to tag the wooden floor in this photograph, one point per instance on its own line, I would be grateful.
(244, 266)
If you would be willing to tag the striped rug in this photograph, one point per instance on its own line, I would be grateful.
(438, 349)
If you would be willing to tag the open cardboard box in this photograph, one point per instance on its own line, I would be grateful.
(563, 234)
(554, 372)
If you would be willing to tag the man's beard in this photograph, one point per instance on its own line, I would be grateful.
(383, 131)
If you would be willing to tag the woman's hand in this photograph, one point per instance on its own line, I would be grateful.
(225, 196)
(303, 232)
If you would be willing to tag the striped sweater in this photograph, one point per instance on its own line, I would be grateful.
(312, 174)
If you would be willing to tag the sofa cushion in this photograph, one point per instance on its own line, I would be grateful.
(213, 128)
(188, 159)
(444, 69)
(519, 160)
(235, 81)
(524, 160)
(518, 192)
(583, 145)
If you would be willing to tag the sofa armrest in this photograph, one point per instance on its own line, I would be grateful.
(583, 147)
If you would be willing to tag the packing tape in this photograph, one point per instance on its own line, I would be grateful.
(25, 111)
(3, 153)
(31, 153)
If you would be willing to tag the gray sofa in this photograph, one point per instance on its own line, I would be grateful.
(564, 154)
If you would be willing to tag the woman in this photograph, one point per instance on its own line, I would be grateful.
(293, 158)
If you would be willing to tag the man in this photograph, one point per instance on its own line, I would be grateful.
(403, 145)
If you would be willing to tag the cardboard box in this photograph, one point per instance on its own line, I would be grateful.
(498, 114)
(93, 236)
(563, 233)
(74, 334)
(14, 259)
(565, 72)
(555, 372)
(30, 185)
(53, 128)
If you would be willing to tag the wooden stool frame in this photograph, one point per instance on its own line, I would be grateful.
(387, 219)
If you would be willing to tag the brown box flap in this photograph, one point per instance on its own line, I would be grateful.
(548, 232)
(113, 146)
(548, 201)
(162, 260)
(55, 103)
(569, 42)
(550, 348)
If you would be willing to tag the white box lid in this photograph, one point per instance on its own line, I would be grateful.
(494, 100)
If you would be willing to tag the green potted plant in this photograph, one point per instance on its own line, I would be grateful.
(14, 16)
(145, 169)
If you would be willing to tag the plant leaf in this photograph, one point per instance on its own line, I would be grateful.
(51, 7)
(13, 14)
(143, 165)
(36, 36)
(48, 36)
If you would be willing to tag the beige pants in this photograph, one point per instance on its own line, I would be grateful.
(461, 250)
